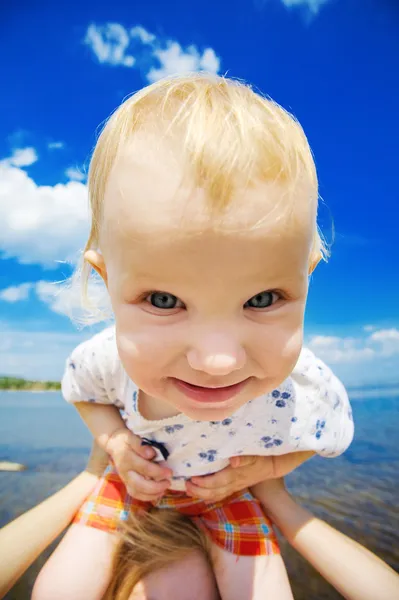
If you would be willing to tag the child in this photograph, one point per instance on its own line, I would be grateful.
(204, 205)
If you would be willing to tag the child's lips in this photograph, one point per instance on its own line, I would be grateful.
(208, 394)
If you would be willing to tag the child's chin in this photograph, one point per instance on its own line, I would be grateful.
(209, 413)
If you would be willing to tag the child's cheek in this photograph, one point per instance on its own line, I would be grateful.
(155, 346)
(151, 349)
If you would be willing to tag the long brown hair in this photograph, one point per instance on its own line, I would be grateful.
(149, 542)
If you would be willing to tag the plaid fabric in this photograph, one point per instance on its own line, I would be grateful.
(236, 524)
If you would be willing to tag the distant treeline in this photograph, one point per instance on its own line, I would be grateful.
(16, 383)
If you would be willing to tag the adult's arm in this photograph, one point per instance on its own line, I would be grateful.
(355, 572)
(25, 538)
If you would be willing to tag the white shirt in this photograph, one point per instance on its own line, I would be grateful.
(309, 411)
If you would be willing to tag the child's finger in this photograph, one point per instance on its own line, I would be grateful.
(146, 452)
(147, 468)
(217, 480)
(206, 494)
(140, 485)
(242, 461)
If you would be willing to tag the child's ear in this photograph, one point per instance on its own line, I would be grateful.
(96, 260)
(314, 261)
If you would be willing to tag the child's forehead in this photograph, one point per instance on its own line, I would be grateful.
(217, 263)
(150, 192)
(163, 255)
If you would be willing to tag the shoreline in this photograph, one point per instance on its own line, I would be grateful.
(8, 383)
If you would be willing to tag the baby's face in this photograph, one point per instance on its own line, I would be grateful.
(200, 304)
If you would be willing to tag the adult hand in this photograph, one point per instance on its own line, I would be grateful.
(270, 492)
(98, 461)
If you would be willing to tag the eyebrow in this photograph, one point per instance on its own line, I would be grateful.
(160, 282)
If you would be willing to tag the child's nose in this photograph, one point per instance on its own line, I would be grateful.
(217, 356)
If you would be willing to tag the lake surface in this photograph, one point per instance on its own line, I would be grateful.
(357, 493)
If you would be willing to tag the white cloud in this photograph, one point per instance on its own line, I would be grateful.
(387, 340)
(339, 349)
(51, 294)
(334, 349)
(109, 43)
(313, 6)
(386, 335)
(173, 59)
(55, 145)
(21, 157)
(64, 298)
(361, 360)
(16, 293)
(157, 57)
(209, 61)
(75, 174)
(142, 34)
(41, 224)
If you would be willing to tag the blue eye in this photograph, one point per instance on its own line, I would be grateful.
(163, 300)
(261, 300)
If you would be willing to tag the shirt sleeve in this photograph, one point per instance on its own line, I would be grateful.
(323, 407)
(92, 372)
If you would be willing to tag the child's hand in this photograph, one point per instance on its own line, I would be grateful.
(144, 479)
(243, 472)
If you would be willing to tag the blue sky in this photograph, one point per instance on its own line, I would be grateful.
(333, 63)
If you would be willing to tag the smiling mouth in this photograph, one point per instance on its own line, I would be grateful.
(209, 394)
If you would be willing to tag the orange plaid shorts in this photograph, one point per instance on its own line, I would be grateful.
(237, 524)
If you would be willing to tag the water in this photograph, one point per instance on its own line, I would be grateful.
(357, 493)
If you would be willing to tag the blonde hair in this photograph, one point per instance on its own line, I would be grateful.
(232, 137)
(149, 542)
